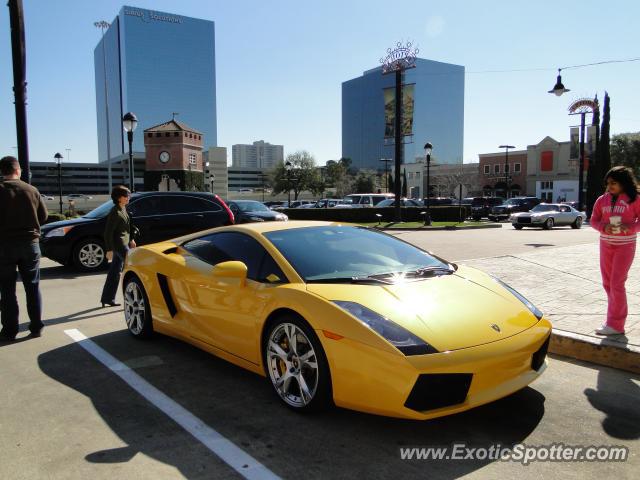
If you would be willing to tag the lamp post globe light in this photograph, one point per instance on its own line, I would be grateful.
(428, 147)
(58, 159)
(129, 123)
(507, 169)
(288, 167)
(558, 89)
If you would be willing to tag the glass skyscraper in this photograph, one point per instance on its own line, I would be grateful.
(157, 64)
(438, 115)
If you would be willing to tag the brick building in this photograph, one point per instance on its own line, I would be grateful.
(492, 173)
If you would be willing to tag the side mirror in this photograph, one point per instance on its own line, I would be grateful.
(232, 270)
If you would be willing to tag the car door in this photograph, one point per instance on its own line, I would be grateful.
(226, 314)
(147, 213)
(566, 216)
(185, 214)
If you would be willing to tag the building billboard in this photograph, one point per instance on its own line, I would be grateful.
(390, 111)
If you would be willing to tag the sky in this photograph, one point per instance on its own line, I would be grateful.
(280, 65)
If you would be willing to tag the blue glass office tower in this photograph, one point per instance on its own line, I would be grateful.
(438, 115)
(157, 64)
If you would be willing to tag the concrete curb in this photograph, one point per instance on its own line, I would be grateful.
(598, 350)
(429, 229)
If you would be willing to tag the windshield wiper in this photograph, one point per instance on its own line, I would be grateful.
(431, 271)
(354, 280)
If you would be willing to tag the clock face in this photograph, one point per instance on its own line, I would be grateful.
(165, 156)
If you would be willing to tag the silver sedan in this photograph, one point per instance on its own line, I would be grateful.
(549, 215)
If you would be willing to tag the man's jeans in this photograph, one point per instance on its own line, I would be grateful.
(26, 257)
(113, 278)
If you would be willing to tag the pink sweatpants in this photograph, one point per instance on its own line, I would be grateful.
(615, 261)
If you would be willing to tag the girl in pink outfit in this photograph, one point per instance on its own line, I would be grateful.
(616, 215)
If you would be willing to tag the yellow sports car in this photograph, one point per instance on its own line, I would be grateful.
(339, 313)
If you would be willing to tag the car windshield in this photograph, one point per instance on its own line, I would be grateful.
(341, 252)
(545, 208)
(252, 207)
(101, 211)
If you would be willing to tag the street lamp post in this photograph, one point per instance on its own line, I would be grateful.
(507, 169)
(102, 25)
(58, 158)
(288, 166)
(427, 152)
(263, 176)
(129, 123)
(580, 107)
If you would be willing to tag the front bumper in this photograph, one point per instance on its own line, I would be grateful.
(55, 248)
(369, 380)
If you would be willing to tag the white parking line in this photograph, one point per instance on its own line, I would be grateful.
(235, 457)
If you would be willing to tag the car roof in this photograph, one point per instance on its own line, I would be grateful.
(171, 194)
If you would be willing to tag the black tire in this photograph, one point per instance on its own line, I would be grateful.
(518, 227)
(548, 224)
(318, 382)
(577, 223)
(477, 219)
(137, 311)
(89, 255)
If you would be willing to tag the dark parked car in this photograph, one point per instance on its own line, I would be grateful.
(157, 215)
(435, 201)
(511, 206)
(247, 211)
(404, 202)
(481, 206)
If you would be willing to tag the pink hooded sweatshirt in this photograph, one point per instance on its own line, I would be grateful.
(605, 208)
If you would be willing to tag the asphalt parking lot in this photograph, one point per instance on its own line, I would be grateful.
(67, 415)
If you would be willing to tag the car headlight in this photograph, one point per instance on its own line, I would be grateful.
(399, 337)
(58, 232)
(532, 308)
(282, 217)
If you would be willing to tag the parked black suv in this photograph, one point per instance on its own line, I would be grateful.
(157, 215)
(481, 206)
(513, 205)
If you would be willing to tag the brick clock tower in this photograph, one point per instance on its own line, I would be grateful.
(173, 158)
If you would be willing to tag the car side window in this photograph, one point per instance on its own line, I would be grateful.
(228, 246)
(146, 206)
(183, 204)
(565, 209)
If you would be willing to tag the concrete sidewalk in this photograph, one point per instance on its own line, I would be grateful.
(565, 284)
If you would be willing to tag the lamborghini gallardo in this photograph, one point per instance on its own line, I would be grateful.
(339, 314)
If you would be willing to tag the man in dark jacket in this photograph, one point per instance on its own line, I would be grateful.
(21, 213)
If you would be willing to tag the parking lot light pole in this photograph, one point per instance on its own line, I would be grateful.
(427, 153)
(507, 170)
(288, 166)
(129, 123)
(58, 158)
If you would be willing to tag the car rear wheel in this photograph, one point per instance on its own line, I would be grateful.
(137, 312)
(548, 225)
(577, 223)
(296, 365)
(89, 255)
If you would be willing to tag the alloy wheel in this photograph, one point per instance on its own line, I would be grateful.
(292, 364)
(134, 308)
(91, 255)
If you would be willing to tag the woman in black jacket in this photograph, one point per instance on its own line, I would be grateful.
(118, 239)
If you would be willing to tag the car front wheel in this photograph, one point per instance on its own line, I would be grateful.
(89, 255)
(548, 224)
(296, 365)
(518, 227)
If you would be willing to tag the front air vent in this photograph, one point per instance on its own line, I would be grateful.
(439, 390)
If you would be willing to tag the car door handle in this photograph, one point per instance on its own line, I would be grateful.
(200, 215)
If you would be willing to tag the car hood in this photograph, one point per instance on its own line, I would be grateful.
(266, 215)
(66, 223)
(432, 308)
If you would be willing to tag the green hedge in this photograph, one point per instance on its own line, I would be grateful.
(449, 213)
(55, 217)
